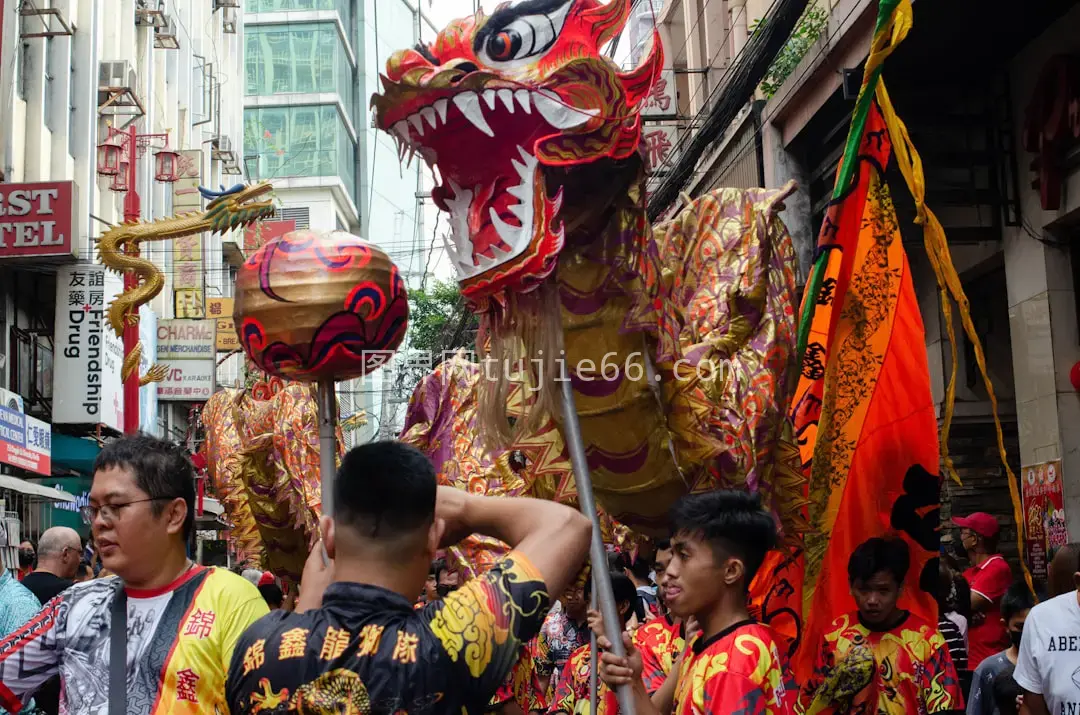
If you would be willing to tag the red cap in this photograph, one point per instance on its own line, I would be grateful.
(980, 522)
(266, 579)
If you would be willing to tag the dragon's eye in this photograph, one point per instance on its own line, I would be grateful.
(523, 37)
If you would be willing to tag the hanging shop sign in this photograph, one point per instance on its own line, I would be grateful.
(188, 277)
(662, 100)
(188, 381)
(221, 310)
(1044, 514)
(186, 340)
(87, 355)
(260, 232)
(660, 142)
(186, 196)
(188, 303)
(25, 442)
(37, 220)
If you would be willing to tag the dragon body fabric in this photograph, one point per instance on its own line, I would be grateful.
(119, 248)
(678, 339)
(262, 448)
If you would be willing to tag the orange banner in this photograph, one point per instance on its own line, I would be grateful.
(863, 413)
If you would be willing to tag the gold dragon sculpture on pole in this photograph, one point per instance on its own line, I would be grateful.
(119, 251)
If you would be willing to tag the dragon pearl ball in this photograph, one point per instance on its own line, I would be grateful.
(316, 306)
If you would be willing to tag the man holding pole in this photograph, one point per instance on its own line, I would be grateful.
(356, 641)
(719, 540)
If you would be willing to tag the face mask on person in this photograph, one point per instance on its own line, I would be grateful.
(1014, 636)
(444, 589)
(26, 558)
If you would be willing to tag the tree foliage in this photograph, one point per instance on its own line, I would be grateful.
(806, 33)
(439, 320)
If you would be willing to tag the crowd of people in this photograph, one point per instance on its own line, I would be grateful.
(384, 620)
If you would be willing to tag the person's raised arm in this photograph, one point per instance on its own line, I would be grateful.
(554, 538)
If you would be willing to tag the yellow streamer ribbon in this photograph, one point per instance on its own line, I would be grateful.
(949, 284)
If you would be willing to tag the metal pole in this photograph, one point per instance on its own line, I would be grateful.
(328, 418)
(602, 582)
(327, 443)
(594, 657)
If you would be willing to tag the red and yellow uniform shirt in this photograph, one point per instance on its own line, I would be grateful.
(660, 642)
(179, 642)
(572, 694)
(913, 672)
(522, 685)
(739, 670)
(368, 650)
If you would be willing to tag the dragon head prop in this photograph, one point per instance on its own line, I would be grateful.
(502, 106)
(239, 206)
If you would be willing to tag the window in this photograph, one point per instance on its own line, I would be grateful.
(300, 58)
(300, 214)
(304, 140)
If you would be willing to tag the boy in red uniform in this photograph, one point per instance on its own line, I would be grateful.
(733, 665)
(572, 693)
(913, 671)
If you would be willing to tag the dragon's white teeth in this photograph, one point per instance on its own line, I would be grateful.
(509, 234)
(469, 104)
(418, 123)
(428, 114)
(529, 159)
(521, 169)
(522, 96)
(489, 97)
(558, 113)
(402, 130)
(520, 192)
(451, 251)
(520, 211)
(441, 106)
(507, 97)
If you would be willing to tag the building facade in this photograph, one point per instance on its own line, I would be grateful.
(78, 73)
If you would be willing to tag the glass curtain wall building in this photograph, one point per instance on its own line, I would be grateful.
(310, 69)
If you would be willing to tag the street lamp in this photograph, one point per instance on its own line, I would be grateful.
(166, 162)
(108, 159)
(117, 157)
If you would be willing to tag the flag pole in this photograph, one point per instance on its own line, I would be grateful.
(602, 589)
(328, 419)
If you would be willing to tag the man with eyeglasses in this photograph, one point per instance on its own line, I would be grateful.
(182, 620)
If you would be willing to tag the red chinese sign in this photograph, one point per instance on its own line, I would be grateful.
(1052, 125)
(261, 232)
(660, 144)
(38, 220)
(662, 99)
(1044, 514)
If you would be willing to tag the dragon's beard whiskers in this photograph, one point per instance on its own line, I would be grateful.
(519, 343)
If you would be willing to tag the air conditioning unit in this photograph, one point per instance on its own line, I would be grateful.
(220, 4)
(221, 149)
(150, 14)
(116, 75)
(165, 37)
(11, 400)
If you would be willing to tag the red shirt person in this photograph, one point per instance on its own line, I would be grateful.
(733, 665)
(989, 578)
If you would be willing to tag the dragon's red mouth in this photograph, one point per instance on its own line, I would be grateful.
(481, 146)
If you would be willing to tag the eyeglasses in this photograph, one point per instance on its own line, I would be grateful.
(111, 512)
